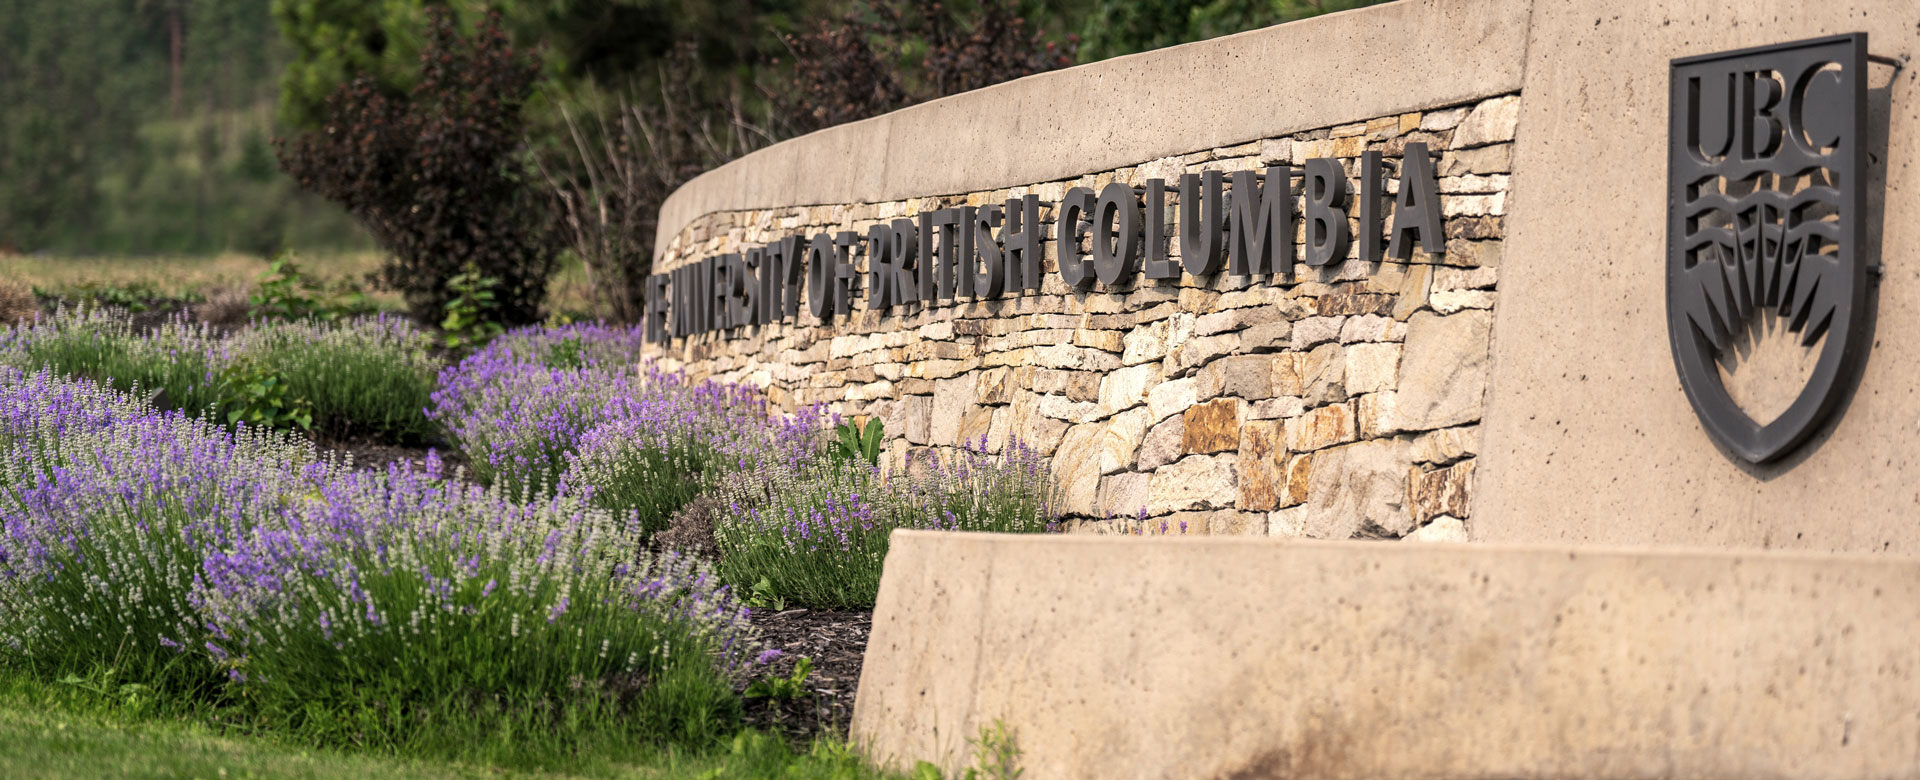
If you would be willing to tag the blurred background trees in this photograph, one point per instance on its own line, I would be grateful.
(148, 126)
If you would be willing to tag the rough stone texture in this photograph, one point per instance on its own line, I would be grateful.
(1213, 426)
(1443, 374)
(1356, 489)
(1193, 482)
(1134, 379)
(1263, 465)
(1346, 660)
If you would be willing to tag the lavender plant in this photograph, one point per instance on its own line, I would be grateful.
(369, 375)
(396, 609)
(520, 406)
(817, 534)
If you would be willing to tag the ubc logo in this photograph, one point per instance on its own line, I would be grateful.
(1765, 210)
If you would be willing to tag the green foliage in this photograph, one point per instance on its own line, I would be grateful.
(283, 293)
(849, 443)
(255, 394)
(1110, 28)
(472, 311)
(996, 754)
(788, 688)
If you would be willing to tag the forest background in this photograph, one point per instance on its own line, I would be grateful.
(149, 127)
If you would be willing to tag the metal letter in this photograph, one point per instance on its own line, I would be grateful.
(1022, 239)
(1326, 193)
(1200, 216)
(879, 268)
(1417, 211)
(820, 277)
(1116, 234)
(1371, 228)
(1158, 265)
(1074, 270)
(987, 266)
(1262, 223)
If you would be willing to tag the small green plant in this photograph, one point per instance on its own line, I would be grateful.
(258, 396)
(764, 597)
(284, 292)
(789, 688)
(851, 443)
(996, 754)
(471, 309)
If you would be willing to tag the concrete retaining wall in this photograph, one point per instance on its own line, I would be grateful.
(1241, 658)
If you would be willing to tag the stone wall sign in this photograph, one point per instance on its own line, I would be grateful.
(1766, 210)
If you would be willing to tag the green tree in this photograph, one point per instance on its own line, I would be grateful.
(1115, 27)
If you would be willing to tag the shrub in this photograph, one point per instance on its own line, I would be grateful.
(438, 176)
(520, 406)
(817, 534)
(396, 609)
(370, 375)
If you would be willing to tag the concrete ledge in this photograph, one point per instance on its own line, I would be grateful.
(1344, 67)
(1250, 658)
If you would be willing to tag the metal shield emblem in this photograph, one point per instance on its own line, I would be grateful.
(1765, 210)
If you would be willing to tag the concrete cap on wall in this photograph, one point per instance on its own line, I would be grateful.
(1228, 657)
(1344, 67)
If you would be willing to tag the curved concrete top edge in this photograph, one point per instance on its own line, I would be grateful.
(1401, 56)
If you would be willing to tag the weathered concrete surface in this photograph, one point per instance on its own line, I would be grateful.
(1588, 436)
(1116, 658)
(1344, 67)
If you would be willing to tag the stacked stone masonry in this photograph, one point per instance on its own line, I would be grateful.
(1343, 402)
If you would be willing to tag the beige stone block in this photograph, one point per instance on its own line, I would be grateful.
(1372, 367)
(1163, 444)
(951, 399)
(1450, 301)
(1474, 205)
(1127, 387)
(1371, 327)
(1077, 358)
(1377, 414)
(1266, 336)
(1492, 121)
(1213, 426)
(1243, 376)
(1262, 464)
(1060, 407)
(1482, 160)
(1413, 292)
(1442, 529)
(1123, 495)
(1200, 350)
(1105, 340)
(1443, 369)
(1446, 491)
(1446, 445)
(1318, 428)
(1451, 279)
(1444, 119)
(918, 414)
(1172, 397)
(1076, 468)
(995, 386)
(1120, 440)
(1276, 408)
(1314, 331)
(1473, 184)
(1193, 482)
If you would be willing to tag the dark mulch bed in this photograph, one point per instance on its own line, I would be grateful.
(370, 453)
(836, 641)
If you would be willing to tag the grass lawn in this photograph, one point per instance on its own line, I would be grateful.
(176, 276)
(53, 743)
